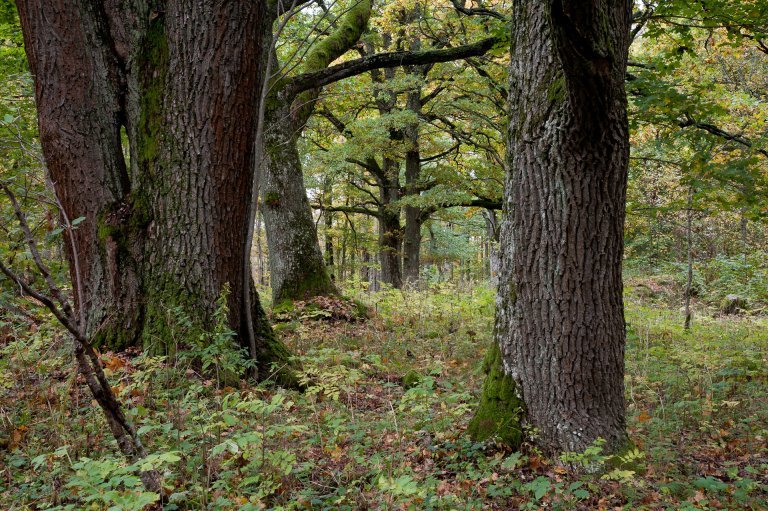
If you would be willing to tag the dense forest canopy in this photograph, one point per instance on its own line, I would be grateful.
(383, 254)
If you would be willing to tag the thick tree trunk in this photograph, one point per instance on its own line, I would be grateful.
(166, 236)
(412, 245)
(560, 321)
(413, 216)
(390, 243)
(80, 117)
(296, 267)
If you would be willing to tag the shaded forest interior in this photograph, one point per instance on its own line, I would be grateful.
(383, 254)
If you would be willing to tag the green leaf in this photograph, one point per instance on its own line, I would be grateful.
(710, 483)
(539, 487)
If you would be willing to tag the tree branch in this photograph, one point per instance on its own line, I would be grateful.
(347, 209)
(689, 121)
(323, 77)
(460, 5)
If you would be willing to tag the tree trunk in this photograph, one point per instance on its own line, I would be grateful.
(390, 230)
(412, 234)
(390, 243)
(296, 267)
(689, 250)
(262, 280)
(328, 254)
(560, 322)
(167, 236)
(494, 260)
(412, 245)
(365, 266)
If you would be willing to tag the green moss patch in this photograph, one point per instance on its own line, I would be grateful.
(500, 411)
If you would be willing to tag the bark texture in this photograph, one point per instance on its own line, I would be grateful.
(297, 268)
(169, 229)
(560, 322)
(390, 229)
(413, 216)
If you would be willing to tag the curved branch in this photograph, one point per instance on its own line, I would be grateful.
(351, 27)
(689, 121)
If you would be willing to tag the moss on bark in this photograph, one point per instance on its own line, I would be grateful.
(306, 285)
(274, 359)
(500, 411)
(350, 28)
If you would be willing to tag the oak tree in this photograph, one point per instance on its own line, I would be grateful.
(175, 84)
(557, 362)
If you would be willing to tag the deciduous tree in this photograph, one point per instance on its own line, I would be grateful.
(557, 362)
(164, 230)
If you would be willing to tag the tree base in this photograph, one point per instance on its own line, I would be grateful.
(273, 358)
(500, 411)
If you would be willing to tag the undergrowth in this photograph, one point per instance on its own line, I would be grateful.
(381, 422)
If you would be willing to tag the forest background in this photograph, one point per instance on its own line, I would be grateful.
(403, 168)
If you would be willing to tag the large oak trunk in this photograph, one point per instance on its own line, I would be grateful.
(413, 217)
(164, 235)
(560, 322)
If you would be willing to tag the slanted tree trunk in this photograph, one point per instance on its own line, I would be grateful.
(297, 269)
(560, 320)
(167, 235)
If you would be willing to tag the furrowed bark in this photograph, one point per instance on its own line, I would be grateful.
(296, 266)
(166, 236)
(390, 229)
(413, 214)
(560, 322)
(78, 82)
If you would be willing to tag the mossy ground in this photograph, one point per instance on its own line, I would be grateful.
(357, 439)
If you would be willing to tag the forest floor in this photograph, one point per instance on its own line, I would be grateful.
(381, 425)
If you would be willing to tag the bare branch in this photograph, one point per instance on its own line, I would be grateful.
(690, 121)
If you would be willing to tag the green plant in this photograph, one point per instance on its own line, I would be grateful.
(215, 349)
